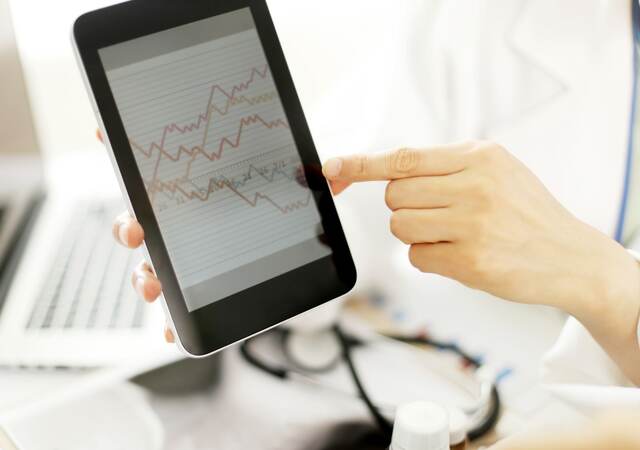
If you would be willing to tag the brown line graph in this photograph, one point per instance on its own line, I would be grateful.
(234, 96)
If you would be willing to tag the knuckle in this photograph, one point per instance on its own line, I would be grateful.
(497, 153)
(391, 195)
(489, 152)
(396, 224)
(415, 256)
(472, 147)
(474, 144)
(404, 160)
(360, 164)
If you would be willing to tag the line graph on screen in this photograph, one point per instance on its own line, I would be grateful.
(158, 150)
(268, 173)
(215, 152)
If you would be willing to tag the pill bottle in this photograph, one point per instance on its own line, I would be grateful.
(458, 427)
(420, 426)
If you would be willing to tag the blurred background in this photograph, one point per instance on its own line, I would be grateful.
(330, 46)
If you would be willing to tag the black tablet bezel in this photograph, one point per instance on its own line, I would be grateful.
(260, 307)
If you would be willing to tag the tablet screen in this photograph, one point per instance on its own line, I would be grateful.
(219, 162)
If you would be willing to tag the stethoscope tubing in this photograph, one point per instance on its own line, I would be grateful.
(635, 18)
(483, 414)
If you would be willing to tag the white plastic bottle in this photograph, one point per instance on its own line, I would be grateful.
(420, 426)
(458, 428)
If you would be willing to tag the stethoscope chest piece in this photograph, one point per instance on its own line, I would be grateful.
(317, 351)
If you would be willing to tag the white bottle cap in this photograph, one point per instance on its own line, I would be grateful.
(458, 426)
(421, 426)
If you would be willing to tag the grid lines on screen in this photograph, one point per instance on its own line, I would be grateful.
(214, 148)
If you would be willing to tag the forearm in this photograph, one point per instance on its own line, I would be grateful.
(607, 302)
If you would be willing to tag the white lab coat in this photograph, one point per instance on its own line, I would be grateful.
(550, 80)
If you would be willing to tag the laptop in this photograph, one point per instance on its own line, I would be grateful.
(66, 298)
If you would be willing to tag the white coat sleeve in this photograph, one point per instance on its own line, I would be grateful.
(578, 371)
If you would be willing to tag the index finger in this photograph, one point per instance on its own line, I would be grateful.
(401, 163)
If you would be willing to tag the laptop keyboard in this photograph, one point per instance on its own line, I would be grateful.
(89, 283)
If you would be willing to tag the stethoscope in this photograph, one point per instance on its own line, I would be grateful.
(619, 234)
(321, 352)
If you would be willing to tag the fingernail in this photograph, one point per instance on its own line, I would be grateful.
(140, 287)
(333, 167)
(123, 233)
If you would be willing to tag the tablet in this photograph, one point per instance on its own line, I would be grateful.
(213, 152)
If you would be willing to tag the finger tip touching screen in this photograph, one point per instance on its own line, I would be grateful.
(212, 148)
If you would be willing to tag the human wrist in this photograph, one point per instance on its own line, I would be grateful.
(609, 303)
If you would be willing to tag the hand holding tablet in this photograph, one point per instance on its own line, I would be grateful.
(211, 146)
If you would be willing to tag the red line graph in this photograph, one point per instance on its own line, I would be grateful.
(205, 117)
(267, 173)
(232, 99)
(233, 96)
(225, 142)
(161, 146)
(216, 185)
